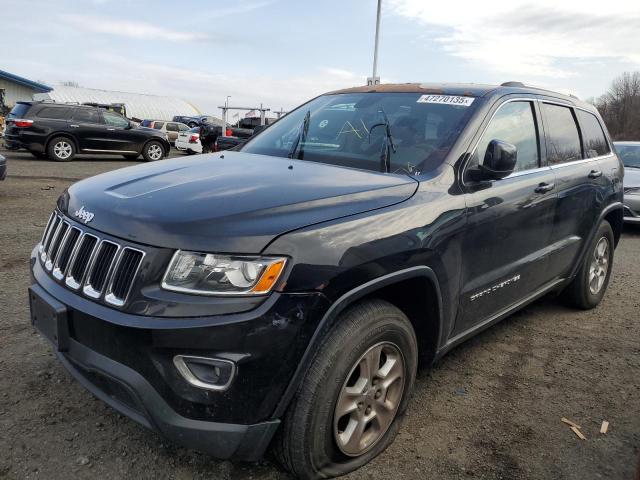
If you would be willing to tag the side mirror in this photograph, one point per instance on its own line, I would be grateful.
(499, 160)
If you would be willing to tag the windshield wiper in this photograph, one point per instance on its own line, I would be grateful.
(301, 138)
(388, 146)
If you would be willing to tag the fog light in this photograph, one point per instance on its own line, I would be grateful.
(206, 373)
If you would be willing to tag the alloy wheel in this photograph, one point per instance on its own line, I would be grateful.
(62, 150)
(369, 399)
(155, 152)
(599, 266)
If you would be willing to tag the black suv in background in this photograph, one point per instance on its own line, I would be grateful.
(197, 121)
(60, 131)
(282, 294)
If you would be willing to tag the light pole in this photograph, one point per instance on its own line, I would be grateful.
(374, 80)
(223, 133)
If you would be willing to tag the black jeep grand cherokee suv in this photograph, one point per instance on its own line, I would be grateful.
(283, 294)
(60, 131)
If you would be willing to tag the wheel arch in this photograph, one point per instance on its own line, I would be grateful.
(424, 310)
(165, 144)
(66, 135)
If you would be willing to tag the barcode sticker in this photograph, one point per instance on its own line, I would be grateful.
(447, 100)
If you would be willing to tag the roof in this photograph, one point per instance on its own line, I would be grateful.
(25, 82)
(461, 89)
(138, 105)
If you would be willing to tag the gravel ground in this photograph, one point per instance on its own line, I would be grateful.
(490, 409)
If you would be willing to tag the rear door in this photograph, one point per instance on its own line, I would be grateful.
(88, 128)
(509, 220)
(172, 131)
(578, 178)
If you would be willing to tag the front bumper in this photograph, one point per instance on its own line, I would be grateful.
(130, 366)
(632, 208)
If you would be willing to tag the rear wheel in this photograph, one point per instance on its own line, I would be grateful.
(348, 407)
(153, 151)
(61, 149)
(590, 284)
(131, 156)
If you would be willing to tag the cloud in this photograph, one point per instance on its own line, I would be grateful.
(127, 28)
(545, 38)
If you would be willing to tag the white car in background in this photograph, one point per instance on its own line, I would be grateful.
(189, 141)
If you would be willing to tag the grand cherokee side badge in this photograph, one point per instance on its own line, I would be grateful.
(84, 215)
(495, 288)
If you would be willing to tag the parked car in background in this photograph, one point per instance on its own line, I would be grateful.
(3, 168)
(629, 153)
(283, 297)
(172, 129)
(189, 141)
(228, 143)
(197, 121)
(60, 131)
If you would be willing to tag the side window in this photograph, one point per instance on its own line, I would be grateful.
(114, 120)
(55, 113)
(158, 125)
(594, 139)
(86, 115)
(182, 127)
(514, 123)
(563, 139)
(172, 127)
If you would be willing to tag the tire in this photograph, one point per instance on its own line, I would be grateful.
(61, 149)
(153, 151)
(192, 124)
(42, 155)
(190, 152)
(313, 440)
(131, 156)
(590, 284)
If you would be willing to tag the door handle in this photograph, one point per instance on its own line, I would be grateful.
(74, 126)
(595, 173)
(111, 129)
(545, 187)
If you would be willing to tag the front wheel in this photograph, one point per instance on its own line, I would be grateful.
(153, 151)
(590, 284)
(61, 149)
(349, 405)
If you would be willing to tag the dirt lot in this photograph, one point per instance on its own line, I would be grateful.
(491, 409)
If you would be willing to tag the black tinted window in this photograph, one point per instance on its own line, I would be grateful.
(172, 127)
(563, 139)
(158, 125)
(513, 123)
(594, 139)
(53, 112)
(87, 115)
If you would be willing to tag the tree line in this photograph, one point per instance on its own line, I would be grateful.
(620, 107)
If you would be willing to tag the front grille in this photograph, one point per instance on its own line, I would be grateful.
(79, 259)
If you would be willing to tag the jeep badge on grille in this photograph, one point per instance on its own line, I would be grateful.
(84, 215)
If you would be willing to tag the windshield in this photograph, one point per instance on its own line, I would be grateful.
(350, 130)
(629, 154)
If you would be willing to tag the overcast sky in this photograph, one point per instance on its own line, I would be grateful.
(282, 52)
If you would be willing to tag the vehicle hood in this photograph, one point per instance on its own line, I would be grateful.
(231, 203)
(631, 177)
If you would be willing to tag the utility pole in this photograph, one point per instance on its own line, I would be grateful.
(374, 80)
(223, 133)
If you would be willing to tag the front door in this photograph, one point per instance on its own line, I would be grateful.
(504, 258)
(119, 136)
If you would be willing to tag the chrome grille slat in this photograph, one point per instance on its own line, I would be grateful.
(103, 268)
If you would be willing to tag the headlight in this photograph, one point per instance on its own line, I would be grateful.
(211, 274)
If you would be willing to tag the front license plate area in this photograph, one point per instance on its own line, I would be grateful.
(49, 317)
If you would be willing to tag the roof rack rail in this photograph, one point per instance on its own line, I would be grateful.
(512, 84)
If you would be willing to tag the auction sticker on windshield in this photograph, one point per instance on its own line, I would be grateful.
(447, 100)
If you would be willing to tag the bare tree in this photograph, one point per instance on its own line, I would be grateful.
(620, 107)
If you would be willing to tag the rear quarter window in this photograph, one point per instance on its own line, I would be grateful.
(594, 139)
(158, 125)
